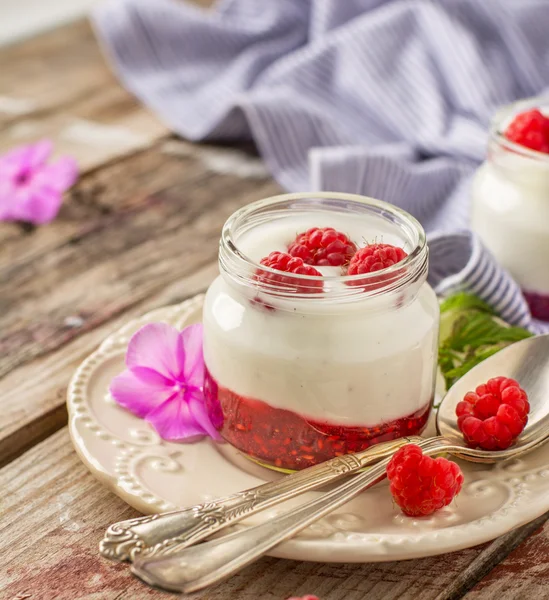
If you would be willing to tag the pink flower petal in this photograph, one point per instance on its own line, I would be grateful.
(30, 189)
(40, 208)
(16, 204)
(26, 158)
(195, 399)
(59, 176)
(156, 346)
(16, 160)
(39, 154)
(5, 204)
(173, 420)
(140, 390)
(192, 355)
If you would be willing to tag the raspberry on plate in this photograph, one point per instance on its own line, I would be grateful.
(421, 485)
(494, 415)
(289, 264)
(324, 247)
(530, 129)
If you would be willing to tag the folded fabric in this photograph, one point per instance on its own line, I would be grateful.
(387, 98)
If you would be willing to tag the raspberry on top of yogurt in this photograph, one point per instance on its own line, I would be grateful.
(324, 247)
(281, 261)
(530, 129)
(372, 258)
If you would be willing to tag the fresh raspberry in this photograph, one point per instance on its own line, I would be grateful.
(530, 129)
(324, 247)
(494, 415)
(374, 257)
(289, 264)
(420, 484)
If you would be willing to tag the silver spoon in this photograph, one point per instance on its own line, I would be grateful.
(166, 533)
(197, 567)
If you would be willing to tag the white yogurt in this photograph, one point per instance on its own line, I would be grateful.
(510, 208)
(361, 363)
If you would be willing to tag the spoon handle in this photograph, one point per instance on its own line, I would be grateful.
(164, 534)
(203, 565)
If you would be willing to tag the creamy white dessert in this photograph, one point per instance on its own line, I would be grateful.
(367, 362)
(353, 365)
(510, 210)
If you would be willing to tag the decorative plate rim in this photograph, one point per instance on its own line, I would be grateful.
(523, 506)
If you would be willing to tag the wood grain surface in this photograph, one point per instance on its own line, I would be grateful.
(138, 231)
(522, 575)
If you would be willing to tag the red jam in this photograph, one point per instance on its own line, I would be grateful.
(539, 305)
(287, 440)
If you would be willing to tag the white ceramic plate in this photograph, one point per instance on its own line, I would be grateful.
(153, 475)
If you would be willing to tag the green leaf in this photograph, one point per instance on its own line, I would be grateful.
(465, 301)
(470, 333)
(475, 329)
(452, 375)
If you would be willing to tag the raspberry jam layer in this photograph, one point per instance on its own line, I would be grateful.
(539, 305)
(287, 440)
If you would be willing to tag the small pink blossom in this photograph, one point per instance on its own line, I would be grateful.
(307, 597)
(31, 189)
(164, 381)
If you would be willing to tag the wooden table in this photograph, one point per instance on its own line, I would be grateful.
(138, 231)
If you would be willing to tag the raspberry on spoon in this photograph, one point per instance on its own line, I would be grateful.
(324, 247)
(530, 129)
(421, 485)
(494, 415)
(288, 264)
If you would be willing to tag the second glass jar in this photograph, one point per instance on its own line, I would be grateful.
(510, 208)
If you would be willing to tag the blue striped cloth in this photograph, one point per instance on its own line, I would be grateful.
(387, 98)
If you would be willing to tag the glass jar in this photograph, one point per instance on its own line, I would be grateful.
(298, 374)
(510, 208)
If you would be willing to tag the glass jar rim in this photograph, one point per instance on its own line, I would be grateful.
(414, 261)
(503, 115)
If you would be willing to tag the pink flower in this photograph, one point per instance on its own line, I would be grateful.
(307, 597)
(31, 190)
(164, 380)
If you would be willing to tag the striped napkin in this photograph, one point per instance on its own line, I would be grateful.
(387, 98)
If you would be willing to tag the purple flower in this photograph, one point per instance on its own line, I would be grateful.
(31, 190)
(164, 381)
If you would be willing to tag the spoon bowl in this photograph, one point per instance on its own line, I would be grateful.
(527, 362)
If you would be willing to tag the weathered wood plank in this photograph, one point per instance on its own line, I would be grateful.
(120, 237)
(122, 257)
(59, 86)
(131, 250)
(523, 575)
(54, 514)
(95, 129)
(49, 72)
(33, 395)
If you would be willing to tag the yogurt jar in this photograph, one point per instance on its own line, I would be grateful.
(296, 374)
(510, 208)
